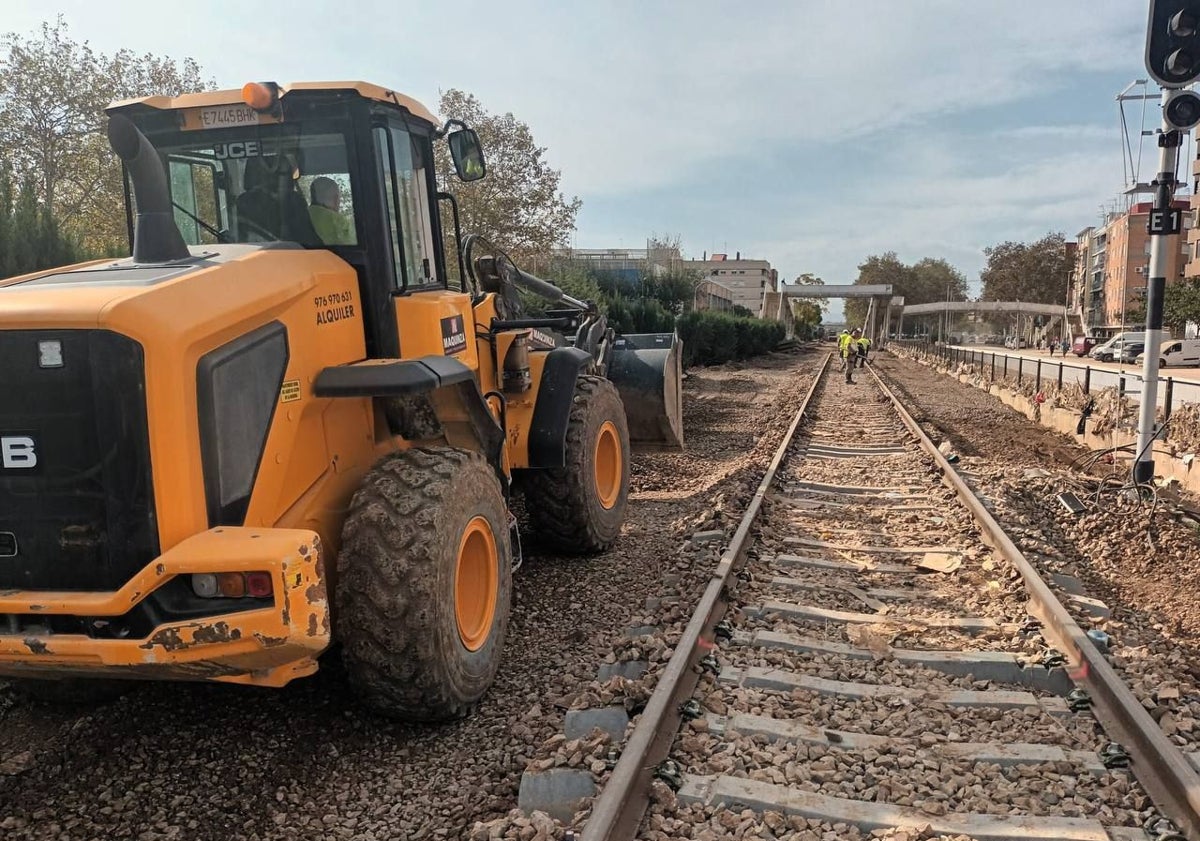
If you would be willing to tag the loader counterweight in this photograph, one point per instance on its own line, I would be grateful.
(265, 641)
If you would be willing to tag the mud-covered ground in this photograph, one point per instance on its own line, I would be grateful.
(1143, 560)
(1136, 558)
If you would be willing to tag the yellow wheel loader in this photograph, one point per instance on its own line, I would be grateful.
(278, 426)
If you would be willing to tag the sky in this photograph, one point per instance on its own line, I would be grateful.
(811, 133)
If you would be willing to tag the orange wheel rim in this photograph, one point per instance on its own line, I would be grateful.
(608, 464)
(475, 581)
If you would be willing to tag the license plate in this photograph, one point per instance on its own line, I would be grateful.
(220, 116)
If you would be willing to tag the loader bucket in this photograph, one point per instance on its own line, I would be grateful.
(647, 370)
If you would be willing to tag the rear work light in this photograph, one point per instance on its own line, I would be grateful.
(204, 585)
(233, 585)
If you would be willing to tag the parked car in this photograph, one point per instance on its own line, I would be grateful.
(1110, 351)
(1177, 353)
(1130, 352)
(1083, 345)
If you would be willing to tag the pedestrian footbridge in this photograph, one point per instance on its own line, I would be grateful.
(1013, 307)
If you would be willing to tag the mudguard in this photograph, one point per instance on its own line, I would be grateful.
(556, 394)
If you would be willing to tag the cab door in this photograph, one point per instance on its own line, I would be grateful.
(432, 320)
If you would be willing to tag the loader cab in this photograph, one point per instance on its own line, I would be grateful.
(347, 167)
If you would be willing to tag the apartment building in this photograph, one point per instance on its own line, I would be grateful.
(748, 281)
(1127, 264)
(1191, 270)
(1087, 277)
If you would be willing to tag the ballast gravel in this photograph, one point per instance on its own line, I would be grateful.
(197, 762)
(1140, 561)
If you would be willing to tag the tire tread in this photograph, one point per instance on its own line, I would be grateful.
(388, 588)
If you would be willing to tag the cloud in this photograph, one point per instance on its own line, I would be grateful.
(644, 103)
(630, 97)
(809, 132)
(954, 195)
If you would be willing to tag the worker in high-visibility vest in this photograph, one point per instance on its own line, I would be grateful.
(864, 345)
(842, 338)
(848, 348)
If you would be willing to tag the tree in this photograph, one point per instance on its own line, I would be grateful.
(664, 249)
(53, 91)
(675, 289)
(6, 233)
(1035, 271)
(518, 206)
(30, 239)
(885, 268)
(810, 279)
(577, 280)
(934, 280)
(664, 278)
(928, 280)
(807, 317)
(1181, 304)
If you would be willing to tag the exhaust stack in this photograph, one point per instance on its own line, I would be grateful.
(156, 237)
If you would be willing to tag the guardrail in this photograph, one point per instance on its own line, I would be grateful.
(1172, 392)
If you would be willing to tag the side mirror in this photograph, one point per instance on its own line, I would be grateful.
(467, 153)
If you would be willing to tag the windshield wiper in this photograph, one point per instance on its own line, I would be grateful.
(220, 237)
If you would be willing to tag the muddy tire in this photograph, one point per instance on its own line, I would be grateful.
(71, 692)
(580, 508)
(424, 584)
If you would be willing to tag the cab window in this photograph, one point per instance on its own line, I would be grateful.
(404, 170)
(262, 187)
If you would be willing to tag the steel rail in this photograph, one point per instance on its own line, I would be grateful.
(618, 811)
(1158, 764)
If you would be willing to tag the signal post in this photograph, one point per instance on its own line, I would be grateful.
(1173, 60)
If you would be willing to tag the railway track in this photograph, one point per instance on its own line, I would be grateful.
(873, 654)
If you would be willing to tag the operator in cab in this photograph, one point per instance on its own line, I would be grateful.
(331, 226)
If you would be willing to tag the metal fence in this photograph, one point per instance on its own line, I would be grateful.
(1172, 392)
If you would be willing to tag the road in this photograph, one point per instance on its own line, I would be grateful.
(1185, 388)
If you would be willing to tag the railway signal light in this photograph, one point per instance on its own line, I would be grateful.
(1173, 42)
(1182, 110)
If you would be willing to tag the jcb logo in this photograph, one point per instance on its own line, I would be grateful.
(17, 452)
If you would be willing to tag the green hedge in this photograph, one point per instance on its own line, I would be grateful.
(710, 338)
(639, 315)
